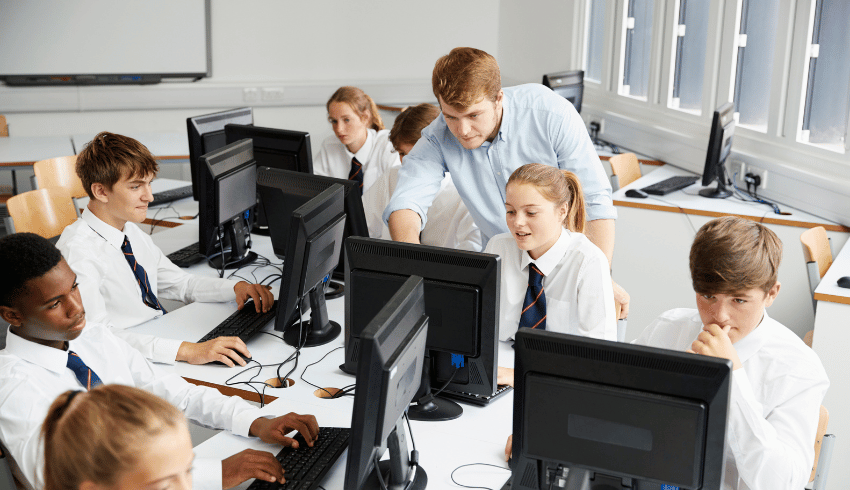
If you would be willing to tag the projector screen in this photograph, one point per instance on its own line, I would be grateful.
(103, 41)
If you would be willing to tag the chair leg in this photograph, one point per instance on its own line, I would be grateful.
(822, 471)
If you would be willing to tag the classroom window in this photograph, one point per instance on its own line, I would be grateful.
(756, 41)
(689, 64)
(827, 103)
(638, 41)
(595, 40)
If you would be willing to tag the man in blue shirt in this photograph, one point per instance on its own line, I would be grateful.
(485, 133)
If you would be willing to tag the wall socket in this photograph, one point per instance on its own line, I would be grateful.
(250, 95)
(761, 173)
(737, 170)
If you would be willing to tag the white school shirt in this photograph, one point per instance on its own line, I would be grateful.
(377, 156)
(33, 375)
(577, 284)
(775, 401)
(449, 223)
(109, 289)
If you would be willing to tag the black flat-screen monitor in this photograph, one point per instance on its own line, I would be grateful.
(567, 84)
(230, 186)
(206, 133)
(462, 303)
(719, 151)
(284, 190)
(274, 148)
(388, 375)
(600, 411)
(312, 252)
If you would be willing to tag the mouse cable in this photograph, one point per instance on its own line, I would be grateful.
(452, 476)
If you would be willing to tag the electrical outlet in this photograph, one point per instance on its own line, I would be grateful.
(272, 93)
(737, 170)
(250, 95)
(601, 123)
(762, 173)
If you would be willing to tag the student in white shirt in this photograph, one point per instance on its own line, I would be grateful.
(116, 172)
(544, 208)
(360, 148)
(778, 383)
(449, 223)
(133, 440)
(48, 340)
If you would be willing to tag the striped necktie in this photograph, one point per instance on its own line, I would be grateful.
(534, 308)
(84, 374)
(148, 296)
(356, 173)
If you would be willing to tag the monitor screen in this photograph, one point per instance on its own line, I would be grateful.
(206, 133)
(610, 410)
(275, 148)
(567, 84)
(388, 377)
(718, 152)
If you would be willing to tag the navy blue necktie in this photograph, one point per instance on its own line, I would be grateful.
(356, 173)
(84, 374)
(534, 307)
(148, 296)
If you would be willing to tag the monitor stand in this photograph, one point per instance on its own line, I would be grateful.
(720, 192)
(397, 472)
(234, 234)
(319, 330)
(426, 406)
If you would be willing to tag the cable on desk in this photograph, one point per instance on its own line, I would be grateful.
(474, 464)
(342, 392)
(155, 221)
(677, 206)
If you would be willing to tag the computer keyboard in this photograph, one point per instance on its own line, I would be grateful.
(186, 256)
(473, 399)
(667, 186)
(306, 466)
(244, 323)
(171, 195)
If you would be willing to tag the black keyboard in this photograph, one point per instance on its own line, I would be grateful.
(171, 195)
(473, 399)
(306, 466)
(667, 186)
(244, 323)
(186, 256)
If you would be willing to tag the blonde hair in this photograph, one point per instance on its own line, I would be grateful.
(465, 76)
(558, 187)
(361, 103)
(95, 436)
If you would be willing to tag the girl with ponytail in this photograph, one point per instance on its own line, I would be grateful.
(553, 276)
(360, 148)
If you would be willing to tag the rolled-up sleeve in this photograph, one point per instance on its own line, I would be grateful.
(419, 179)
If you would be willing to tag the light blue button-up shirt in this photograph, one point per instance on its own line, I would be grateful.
(538, 126)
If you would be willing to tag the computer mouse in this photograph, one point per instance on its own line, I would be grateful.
(844, 282)
(636, 193)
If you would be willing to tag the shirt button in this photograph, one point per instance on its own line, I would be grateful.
(498, 173)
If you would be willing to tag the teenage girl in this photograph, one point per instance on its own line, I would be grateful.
(361, 149)
(553, 277)
(116, 437)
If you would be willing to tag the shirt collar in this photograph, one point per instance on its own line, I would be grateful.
(363, 153)
(505, 126)
(750, 344)
(547, 262)
(41, 355)
(109, 233)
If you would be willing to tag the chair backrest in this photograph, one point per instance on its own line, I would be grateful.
(626, 167)
(4, 128)
(59, 172)
(823, 422)
(816, 248)
(45, 212)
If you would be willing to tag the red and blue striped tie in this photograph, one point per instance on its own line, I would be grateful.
(84, 374)
(534, 308)
(356, 173)
(148, 296)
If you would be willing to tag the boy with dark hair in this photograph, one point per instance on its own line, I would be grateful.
(50, 349)
(778, 383)
(120, 270)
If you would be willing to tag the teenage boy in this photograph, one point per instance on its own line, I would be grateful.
(778, 383)
(486, 132)
(120, 270)
(50, 349)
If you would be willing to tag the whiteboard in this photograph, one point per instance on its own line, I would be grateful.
(104, 37)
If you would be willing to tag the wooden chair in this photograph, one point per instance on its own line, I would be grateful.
(45, 212)
(823, 452)
(60, 172)
(4, 128)
(818, 256)
(625, 169)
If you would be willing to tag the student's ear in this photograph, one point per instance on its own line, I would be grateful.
(771, 294)
(98, 190)
(11, 315)
(499, 98)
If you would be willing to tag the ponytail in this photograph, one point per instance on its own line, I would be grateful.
(560, 187)
(576, 211)
(362, 104)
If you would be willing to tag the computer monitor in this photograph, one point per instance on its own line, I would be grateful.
(719, 151)
(392, 356)
(567, 84)
(312, 252)
(284, 190)
(273, 148)
(462, 303)
(206, 133)
(230, 176)
(595, 411)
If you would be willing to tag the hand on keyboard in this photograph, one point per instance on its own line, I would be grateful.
(261, 295)
(230, 351)
(249, 464)
(273, 431)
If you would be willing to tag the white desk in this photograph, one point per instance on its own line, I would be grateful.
(831, 341)
(19, 153)
(653, 240)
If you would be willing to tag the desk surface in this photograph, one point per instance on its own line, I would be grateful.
(24, 151)
(828, 289)
(164, 145)
(688, 201)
